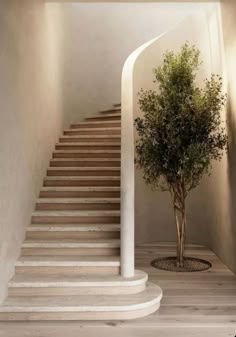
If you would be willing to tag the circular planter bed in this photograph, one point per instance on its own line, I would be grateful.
(191, 264)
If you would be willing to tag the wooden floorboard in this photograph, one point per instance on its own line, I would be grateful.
(194, 304)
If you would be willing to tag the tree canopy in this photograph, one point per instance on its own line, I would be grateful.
(181, 130)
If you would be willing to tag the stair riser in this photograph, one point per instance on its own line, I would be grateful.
(79, 194)
(87, 147)
(94, 163)
(104, 118)
(70, 291)
(85, 173)
(72, 316)
(63, 270)
(70, 251)
(90, 140)
(81, 183)
(115, 111)
(105, 155)
(75, 219)
(82, 132)
(78, 207)
(92, 125)
(72, 235)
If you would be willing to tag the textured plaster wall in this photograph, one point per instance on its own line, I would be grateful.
(97, 40)
(222, 228)
(30, 117)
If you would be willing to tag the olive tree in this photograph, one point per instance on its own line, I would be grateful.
(181, 131)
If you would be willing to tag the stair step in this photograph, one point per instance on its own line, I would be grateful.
(106, 117)
(94, 131)
(86, 139)
(80, 192)
(77, 204)
(57, 284)
(96, 124)
(76, 217)
(71, 243)
(82, 307)
(80, 228)
(71, 247)
(67, 231)
(83, 171)
(82, 181)
(114, 110)
(87, 146)
(86, 154)
(88, 162)
(67, 265)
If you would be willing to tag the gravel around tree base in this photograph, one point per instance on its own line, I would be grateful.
(191, 264)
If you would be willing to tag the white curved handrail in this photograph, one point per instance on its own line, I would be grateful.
(127, 163)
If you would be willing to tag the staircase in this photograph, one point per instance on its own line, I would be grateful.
(69, 268)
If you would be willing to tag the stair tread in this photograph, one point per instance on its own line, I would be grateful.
(95, 122)
(116, 108)
(69, 243)
(73, 228)
(75, 213)
(68, 260)
(85, 159)
(82, 178)
(84, 168)
(80, 188)
(115, 114)
(87, 151)
(39, 280)
(88, 144)
(89, 136)
(78, 200)
(150, 296)
(94, 129)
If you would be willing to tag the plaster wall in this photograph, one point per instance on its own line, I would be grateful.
(98, 37)
(30, 117)
(222, 227)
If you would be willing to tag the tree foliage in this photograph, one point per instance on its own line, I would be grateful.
(181, 130)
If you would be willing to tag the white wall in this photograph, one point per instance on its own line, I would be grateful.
(97, 40)
(222, 228)
(30, 117)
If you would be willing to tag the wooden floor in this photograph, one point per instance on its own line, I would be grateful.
(194, 304)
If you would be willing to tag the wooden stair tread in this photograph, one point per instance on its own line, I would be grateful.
(87, 151)
(150, 296)
(116, 113)
(82, 178)
(69, 243)
(80, 188)
(94, 129)
(79, 200)
(88, 144)
(38, 280)
(100, 168)
(85, 122)
(73, 228)
(68, 260)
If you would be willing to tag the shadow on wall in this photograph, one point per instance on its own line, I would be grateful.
(231, 124)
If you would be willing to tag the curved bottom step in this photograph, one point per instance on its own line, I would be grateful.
(83, 307)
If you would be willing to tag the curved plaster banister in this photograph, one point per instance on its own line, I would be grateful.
(127, 162)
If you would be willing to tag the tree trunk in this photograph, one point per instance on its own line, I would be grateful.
(180, 220)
